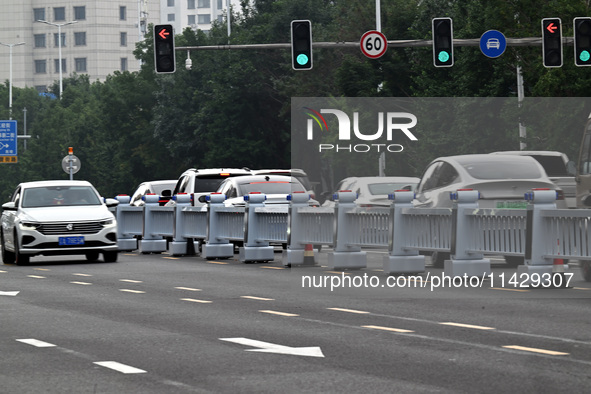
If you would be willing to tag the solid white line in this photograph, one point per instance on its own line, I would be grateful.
(114, 365)
(36, 342)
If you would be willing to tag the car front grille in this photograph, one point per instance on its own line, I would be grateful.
(70, 228)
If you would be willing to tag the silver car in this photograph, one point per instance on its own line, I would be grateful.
(57, 218)
(502, 180)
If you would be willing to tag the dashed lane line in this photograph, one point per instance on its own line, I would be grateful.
(285, 314)
(467, 326)
(132, 291)
(81, 283)
(272, 268)
(36, 276)
(400, 330)
(36, 342)
(187, 288)
(114, 365)
(78, 274)
(258, 298)
(218, 262)
(197, 301)
(536, 350)
(347, 310)
(130, 281)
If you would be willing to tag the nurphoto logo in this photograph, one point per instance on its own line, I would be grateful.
(390, 122)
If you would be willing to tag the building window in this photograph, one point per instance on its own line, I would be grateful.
(80, 64)
(59, 14)
(171, 3)
(39, 40)
(220, 4)
(80, 38)
(39, 14)
(123, 64)
(41, 88)
(203, 4)
(123, 39)
(56, 40)
(171, 17)
(80, 13)
(190, 4)
(56, 64)
(123, 13)
(191, 20)
(204, 19)
(40, 66)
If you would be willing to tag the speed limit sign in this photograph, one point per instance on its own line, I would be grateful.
(373, 44)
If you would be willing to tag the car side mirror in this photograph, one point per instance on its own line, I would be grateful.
(9, 206)
(111, 202)
(202, 198)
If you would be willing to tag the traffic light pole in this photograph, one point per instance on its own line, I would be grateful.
(458, 42)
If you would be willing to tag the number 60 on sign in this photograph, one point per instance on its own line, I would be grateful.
(373, 44)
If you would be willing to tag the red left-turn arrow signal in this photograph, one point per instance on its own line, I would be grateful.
(551, 27)
(164, 34)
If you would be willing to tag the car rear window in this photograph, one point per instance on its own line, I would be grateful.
(387, 188)
(270, 187)
(506, 169)
(553, 165)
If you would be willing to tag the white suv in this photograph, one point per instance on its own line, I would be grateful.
(204, 181)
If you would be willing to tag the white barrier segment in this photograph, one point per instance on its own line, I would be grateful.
(345, 255)
(129, 223)
(180, 244)
(294, 254)
(401, 259)
(216, 246)
(150, 242)
(254, 248)
(462, 261)
(536, 261)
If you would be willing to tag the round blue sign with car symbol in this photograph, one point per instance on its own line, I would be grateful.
(493, 43)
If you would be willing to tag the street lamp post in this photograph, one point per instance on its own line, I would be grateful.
(10, 77)
(59, 40)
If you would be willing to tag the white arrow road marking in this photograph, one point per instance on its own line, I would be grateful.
(266, 347)
(9, 293)
(114, 365)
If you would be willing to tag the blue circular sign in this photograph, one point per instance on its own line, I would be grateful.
(493, 43)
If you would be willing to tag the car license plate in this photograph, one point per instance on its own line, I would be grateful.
(512, 204)
(69, 241)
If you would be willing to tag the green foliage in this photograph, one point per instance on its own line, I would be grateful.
(233, 107)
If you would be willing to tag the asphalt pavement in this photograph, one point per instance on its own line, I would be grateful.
(161, 324)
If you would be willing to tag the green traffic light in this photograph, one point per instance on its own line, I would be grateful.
(443, 56)
(302, 59)
(584, 56)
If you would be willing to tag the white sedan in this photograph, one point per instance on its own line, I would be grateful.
(57, 218)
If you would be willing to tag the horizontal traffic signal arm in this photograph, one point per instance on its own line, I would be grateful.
(458, 42)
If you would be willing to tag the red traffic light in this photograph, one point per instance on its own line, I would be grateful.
(164, 54)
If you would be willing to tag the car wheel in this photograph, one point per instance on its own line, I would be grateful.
(92, 256)
(110, 257)
(514, 261)
(19, 258)
(438, 259)
(586, 270)
(7, 257)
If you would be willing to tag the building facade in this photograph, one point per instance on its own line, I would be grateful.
(100, 42)
(195, 14)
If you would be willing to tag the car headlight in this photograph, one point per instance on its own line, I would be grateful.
(108, 222)
(28, 225)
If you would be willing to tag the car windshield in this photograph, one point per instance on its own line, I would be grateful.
(387, 188)
(160, 187)
(209, 184)
(506, 169)
(49, 196)
(270, 187)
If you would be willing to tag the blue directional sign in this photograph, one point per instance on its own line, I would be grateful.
(8, 137)
(493, 43)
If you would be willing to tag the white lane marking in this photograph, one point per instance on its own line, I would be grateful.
(197, 301)
(81, 283)
(468, 326)
(388, 329)
(130, 281)
(82, 274)
(36, 342)
(187, 288)
(132, 291)
(257, 298)
(36, 276)
(346, 310)
(9, 293)
(279, 313)
(266, 347)
(114, 365)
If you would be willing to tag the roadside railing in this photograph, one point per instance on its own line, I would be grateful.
(541, 234)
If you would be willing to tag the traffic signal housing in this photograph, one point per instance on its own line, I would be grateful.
(164, 56)
(301, 45)
(552, 42)
(582, 34)
(443, 42)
